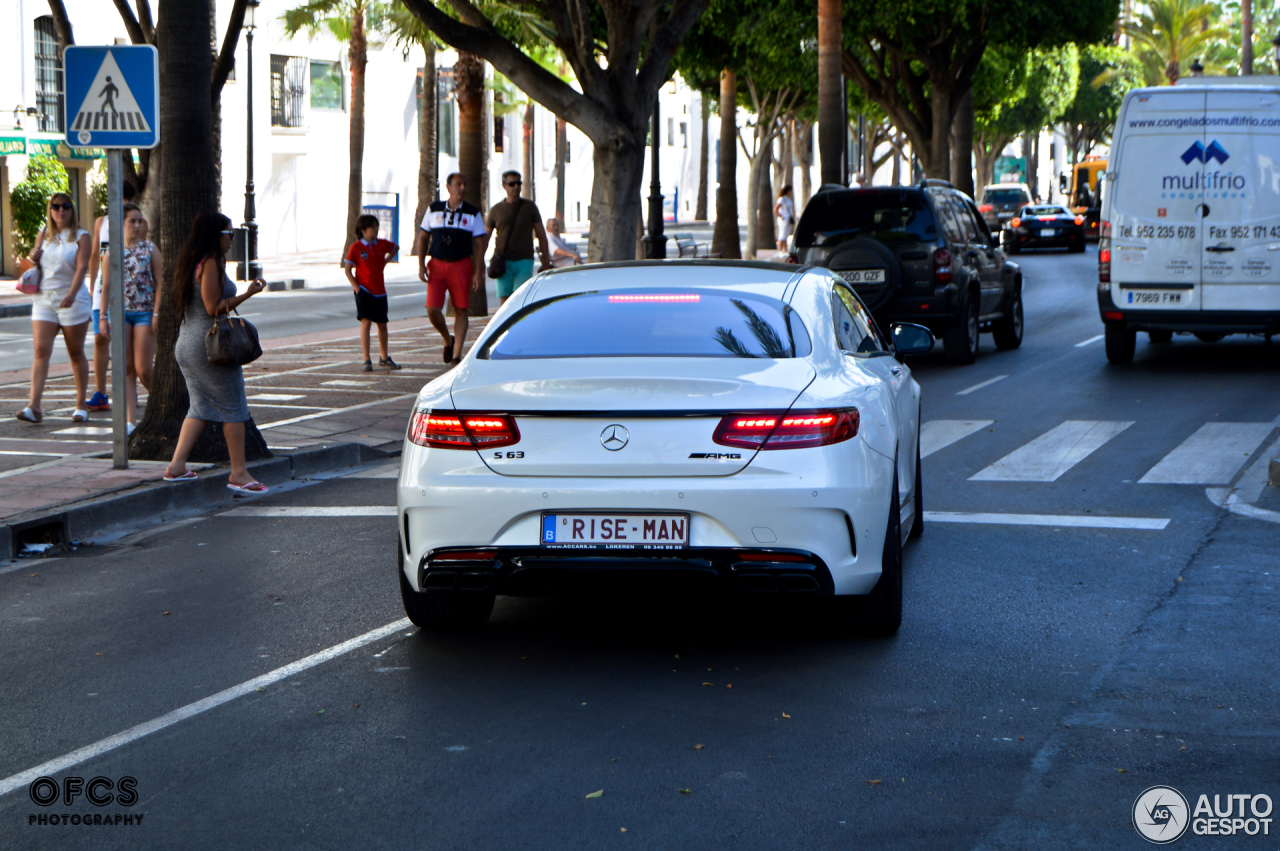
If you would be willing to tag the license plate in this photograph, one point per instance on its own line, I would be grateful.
(1156, 298)
(1048, 233)
(862, 276)
(615, 531)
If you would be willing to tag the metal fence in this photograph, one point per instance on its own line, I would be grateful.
(288, 90)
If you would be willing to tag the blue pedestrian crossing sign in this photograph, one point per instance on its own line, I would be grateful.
(113, 96)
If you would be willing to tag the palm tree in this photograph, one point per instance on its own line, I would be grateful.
(349, 21)
(831, 132)
(409, 32)
(1174, 31)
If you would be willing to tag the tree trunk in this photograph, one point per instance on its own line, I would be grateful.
(704, 156)
(428, 144)
(358, 55)
(216, 118)
(562, 155)
(896, 178)
(529, 185)
(1033, 166)
(768, 236)
(937, 158)
(784, 165)
(1246, 37)
(803, 144)
(962, 172)
(468, 77)
(61, 25)
(725, 237)
(831, 132)
(615, 211)
(186, 124)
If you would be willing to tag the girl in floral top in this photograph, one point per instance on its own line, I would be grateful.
(142, 271)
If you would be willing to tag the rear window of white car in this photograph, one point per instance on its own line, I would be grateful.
(675, 323)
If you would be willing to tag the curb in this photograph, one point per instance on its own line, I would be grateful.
(1273, 472)
(7, 310)
(80, 519)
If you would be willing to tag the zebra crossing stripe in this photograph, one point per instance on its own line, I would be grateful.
(1211, 456)
(1154, 524)
(1053, 453)
(939, 434)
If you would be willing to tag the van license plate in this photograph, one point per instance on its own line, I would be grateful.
(615, 531)
(1156, 298)
(862, 276)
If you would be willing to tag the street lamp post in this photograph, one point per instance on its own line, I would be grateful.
(252, 267)
(655, 243)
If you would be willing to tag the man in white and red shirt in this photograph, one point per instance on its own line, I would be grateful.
(454, 237)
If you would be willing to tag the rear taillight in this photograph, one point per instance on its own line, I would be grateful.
(789, 430)
(462, 430)
(1104, 252)
(942, 266)
(1015, 222)
(985, 208)
(1079, 220)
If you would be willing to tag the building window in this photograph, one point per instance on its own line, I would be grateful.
(288, 90)
(49, 98)
(671, 132)
(684, 134)
(326, 85)
(446, 122)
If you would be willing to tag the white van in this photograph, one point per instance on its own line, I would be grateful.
(1190, 232)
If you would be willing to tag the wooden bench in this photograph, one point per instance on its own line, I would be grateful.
(689, 247)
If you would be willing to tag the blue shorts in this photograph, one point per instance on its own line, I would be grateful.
(131, 317)
(518, 271)
(97, 315)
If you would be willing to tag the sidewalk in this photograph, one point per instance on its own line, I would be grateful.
(315, 407)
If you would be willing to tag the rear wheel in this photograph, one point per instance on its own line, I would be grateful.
(878, 614)
(960, 339)
(1077, 247)
(442, 611)
(917, 523)
(1013, 247)
(1205, 337)
(1007, 330)
(1120, 343)
(1160, 336)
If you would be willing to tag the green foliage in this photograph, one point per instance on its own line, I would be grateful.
(29, 200)
(1106, 74)
(758, 38)
(1169, 34)
(1223, 55)
(98, 188)
(1052, 78)
(335, 16)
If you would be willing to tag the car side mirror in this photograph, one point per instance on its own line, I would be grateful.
(911, 339)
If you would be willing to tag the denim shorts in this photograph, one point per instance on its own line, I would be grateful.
(131, 317)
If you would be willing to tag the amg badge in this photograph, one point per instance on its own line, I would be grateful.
(716, 455)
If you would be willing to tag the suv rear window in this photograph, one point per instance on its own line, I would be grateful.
(675, 323)
(1003, 196)
(885, 215)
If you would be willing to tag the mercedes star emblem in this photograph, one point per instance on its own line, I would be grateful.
(614, 437)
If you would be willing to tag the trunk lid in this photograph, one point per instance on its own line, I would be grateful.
(656, 415)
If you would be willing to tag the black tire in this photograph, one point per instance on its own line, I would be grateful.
(1014, 247)
(960, 339)
(1206, 337)
(1077, 247)
(1159, 337)
(1007, 330)
(1121, 342)
(917, 523)
(878, 614)
(442, 611)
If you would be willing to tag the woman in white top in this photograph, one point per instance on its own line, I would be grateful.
(62, 250)
(784, 210)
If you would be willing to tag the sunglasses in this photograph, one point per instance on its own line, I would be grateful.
(62, 206)
(515, 183)
(228, 233)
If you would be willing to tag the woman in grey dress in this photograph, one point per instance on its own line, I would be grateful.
(202, 290)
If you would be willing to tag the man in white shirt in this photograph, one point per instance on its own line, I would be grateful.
(562, 253)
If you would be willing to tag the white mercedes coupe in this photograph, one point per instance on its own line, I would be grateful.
(668, 427)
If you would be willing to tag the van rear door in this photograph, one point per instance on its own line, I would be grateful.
(1155, 209)
(1241, 244)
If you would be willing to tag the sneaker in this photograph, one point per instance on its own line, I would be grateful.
(99, 402)
(368, 366)
(388, 363)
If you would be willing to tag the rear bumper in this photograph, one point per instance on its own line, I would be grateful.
(1031, 239)
(1204, 321)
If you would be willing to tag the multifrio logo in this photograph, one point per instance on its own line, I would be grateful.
(1204, 179)
(100, 792)
(1162, 815)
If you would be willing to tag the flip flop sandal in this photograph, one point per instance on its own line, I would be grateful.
(255, 488)
(80, 416)
(27, 415)
(185, 477)
(448, 350)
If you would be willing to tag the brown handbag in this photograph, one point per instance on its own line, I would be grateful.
(232, 341)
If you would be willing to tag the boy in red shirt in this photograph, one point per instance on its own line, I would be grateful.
(363, 266)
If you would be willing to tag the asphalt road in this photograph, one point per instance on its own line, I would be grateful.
(1044, 676)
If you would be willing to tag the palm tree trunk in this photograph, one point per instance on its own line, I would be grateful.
(725, 238)
(468, 75)
(562, 156)
(358, 55)
(767, 236)
(803, 136)
(428, 150)
(785, 164)
(962, 164)
(529, 183)
(190, 181)
(704, 148)
(831, 132)
(1246, 37)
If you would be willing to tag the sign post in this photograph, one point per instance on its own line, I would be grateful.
(113, 102)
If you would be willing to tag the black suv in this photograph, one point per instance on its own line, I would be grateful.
(919, 254)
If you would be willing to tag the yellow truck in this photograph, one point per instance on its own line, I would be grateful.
(1082, 189)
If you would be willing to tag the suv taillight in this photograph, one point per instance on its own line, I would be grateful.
(942, 266)
(986, 208)
(789, 430)
(462, 430)
(1104, 252)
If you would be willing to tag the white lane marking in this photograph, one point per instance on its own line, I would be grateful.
(306, 417)
(102, 746)
(939, 434)
(311, 511)
(980, 385)
(1151, 523)
(343, 383)
(1211, 456)
(46, 454)
(1090, 340)
(1052, 453)
(84, 430)
(276, 397)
